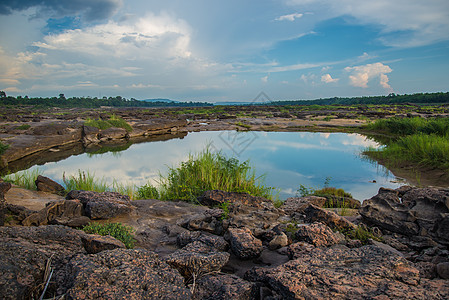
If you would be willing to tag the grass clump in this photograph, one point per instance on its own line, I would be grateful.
(3, 148)
(410, 126)
(84, 181)
(211, 171)
(361, 233)
(147, 191)
(121, 232)
(113, 121)
(24, 127)
(25, 179)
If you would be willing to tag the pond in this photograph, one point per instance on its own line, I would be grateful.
(288, 160)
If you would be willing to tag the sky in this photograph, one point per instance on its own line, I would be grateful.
(215, 51)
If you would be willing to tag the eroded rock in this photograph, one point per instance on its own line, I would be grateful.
(318, 235)
(45, 184)
(243, 244)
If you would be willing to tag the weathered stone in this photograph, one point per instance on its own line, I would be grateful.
(279, 241)
(331, 219)
(104, 205)
(4, 188)
(94, 243)
(45, 184)
(367, 272)
(121, 274)
(244, 244)
(224, 287)
(24, 252)
(209, 221)
(90, 134)
(59, 213)
(442, 230)
(217, 242)
(197, 259)
(112, 133)
(318, 235)
(296, 250)
(443, 270)
(216, 197)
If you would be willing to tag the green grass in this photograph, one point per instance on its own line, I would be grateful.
(421, 149)
(113, 121)
(409, 126)
(25, 179)
(24, 127)
(85, 181)
(147, 191)
(3, 148)
(211, 171)
(121, 232)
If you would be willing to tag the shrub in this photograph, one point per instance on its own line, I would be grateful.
(147, 191)
(121, 232)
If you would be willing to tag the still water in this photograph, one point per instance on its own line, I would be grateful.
(287, 159)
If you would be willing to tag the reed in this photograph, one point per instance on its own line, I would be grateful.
(25, 179)
(85, 181)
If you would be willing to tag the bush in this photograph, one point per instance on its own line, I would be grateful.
(121, 232)
(147, 191)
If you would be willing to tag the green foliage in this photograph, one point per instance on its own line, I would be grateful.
(3, 148)
(409, 126)
(147, 191)
(225, 207)
(119, 123)
(361, 233)
(84, 181)
(211, 171)
(121, 232)
(24, 127)
(25, 179)
(100, 124)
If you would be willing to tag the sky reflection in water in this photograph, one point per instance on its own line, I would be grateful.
(287, 158)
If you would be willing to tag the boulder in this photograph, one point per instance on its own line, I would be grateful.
(104, 205)
(214, 198)
(278, 241)
(64, 212)
(318, 235)
(368, 272)
(209, 221)
(4, 188)
(90, 134)
(243, 244)
(121, 274)
(331, 219)
(443, 270)
(224, 287)
(197, 259)
(112, 133)
(217, 242)
(295, 204)
(94, 243)
(45, 184)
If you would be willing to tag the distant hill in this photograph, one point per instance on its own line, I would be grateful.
(161, 100)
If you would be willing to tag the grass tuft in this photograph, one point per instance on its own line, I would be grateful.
(84, 181)
(121, 232)
(3, 148)
(25, 179)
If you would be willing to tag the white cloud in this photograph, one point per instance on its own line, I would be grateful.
(264, 79)
(290, 17)
(327, 78)
(361, 75)
(419, 22)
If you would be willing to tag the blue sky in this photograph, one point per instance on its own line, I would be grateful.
(223, 50)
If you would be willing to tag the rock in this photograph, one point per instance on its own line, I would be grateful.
(224, 287)
(94, 243)
(443, 270)
(24, 252)
(65, 212)
(318, 235)
(4, 188)
(112, 133)
(279, 241)
(243, 244)
(197, 259)
(90, 134)
(297, 204)
(215, 198)
(104, 205)
(209, 221)
(17, 213)
(45, 184)
(367, 272)
(331, 219)
(422, 212)
(296, 250)
(386, 211)
(121, 274)
(217, 242)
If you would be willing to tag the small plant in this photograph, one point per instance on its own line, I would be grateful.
(225, 207)
(25, 179)
(121, 232)
(361, 233)
(147, 191)
(84, 181)
(24, 127)
(119, 123)
(3, 148)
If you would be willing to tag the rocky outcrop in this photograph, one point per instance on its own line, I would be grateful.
(318, 235)
(331, 219)
(104, 205)
(45, 184)
(65, 212)
(223, 287)
(243, 244)
(340, 273)
(215, 198)
(121, 274)
(217, 242)
(410, 212)
(94, 243)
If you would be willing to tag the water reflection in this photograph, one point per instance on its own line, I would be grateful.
(287, 158)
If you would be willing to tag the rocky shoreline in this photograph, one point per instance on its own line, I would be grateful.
(253, 251)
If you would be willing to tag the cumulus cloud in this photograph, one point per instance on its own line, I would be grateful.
(361, 75)
(327, 78)
(91, 9)
(290, 17)
(420, 22)
(264, 79)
